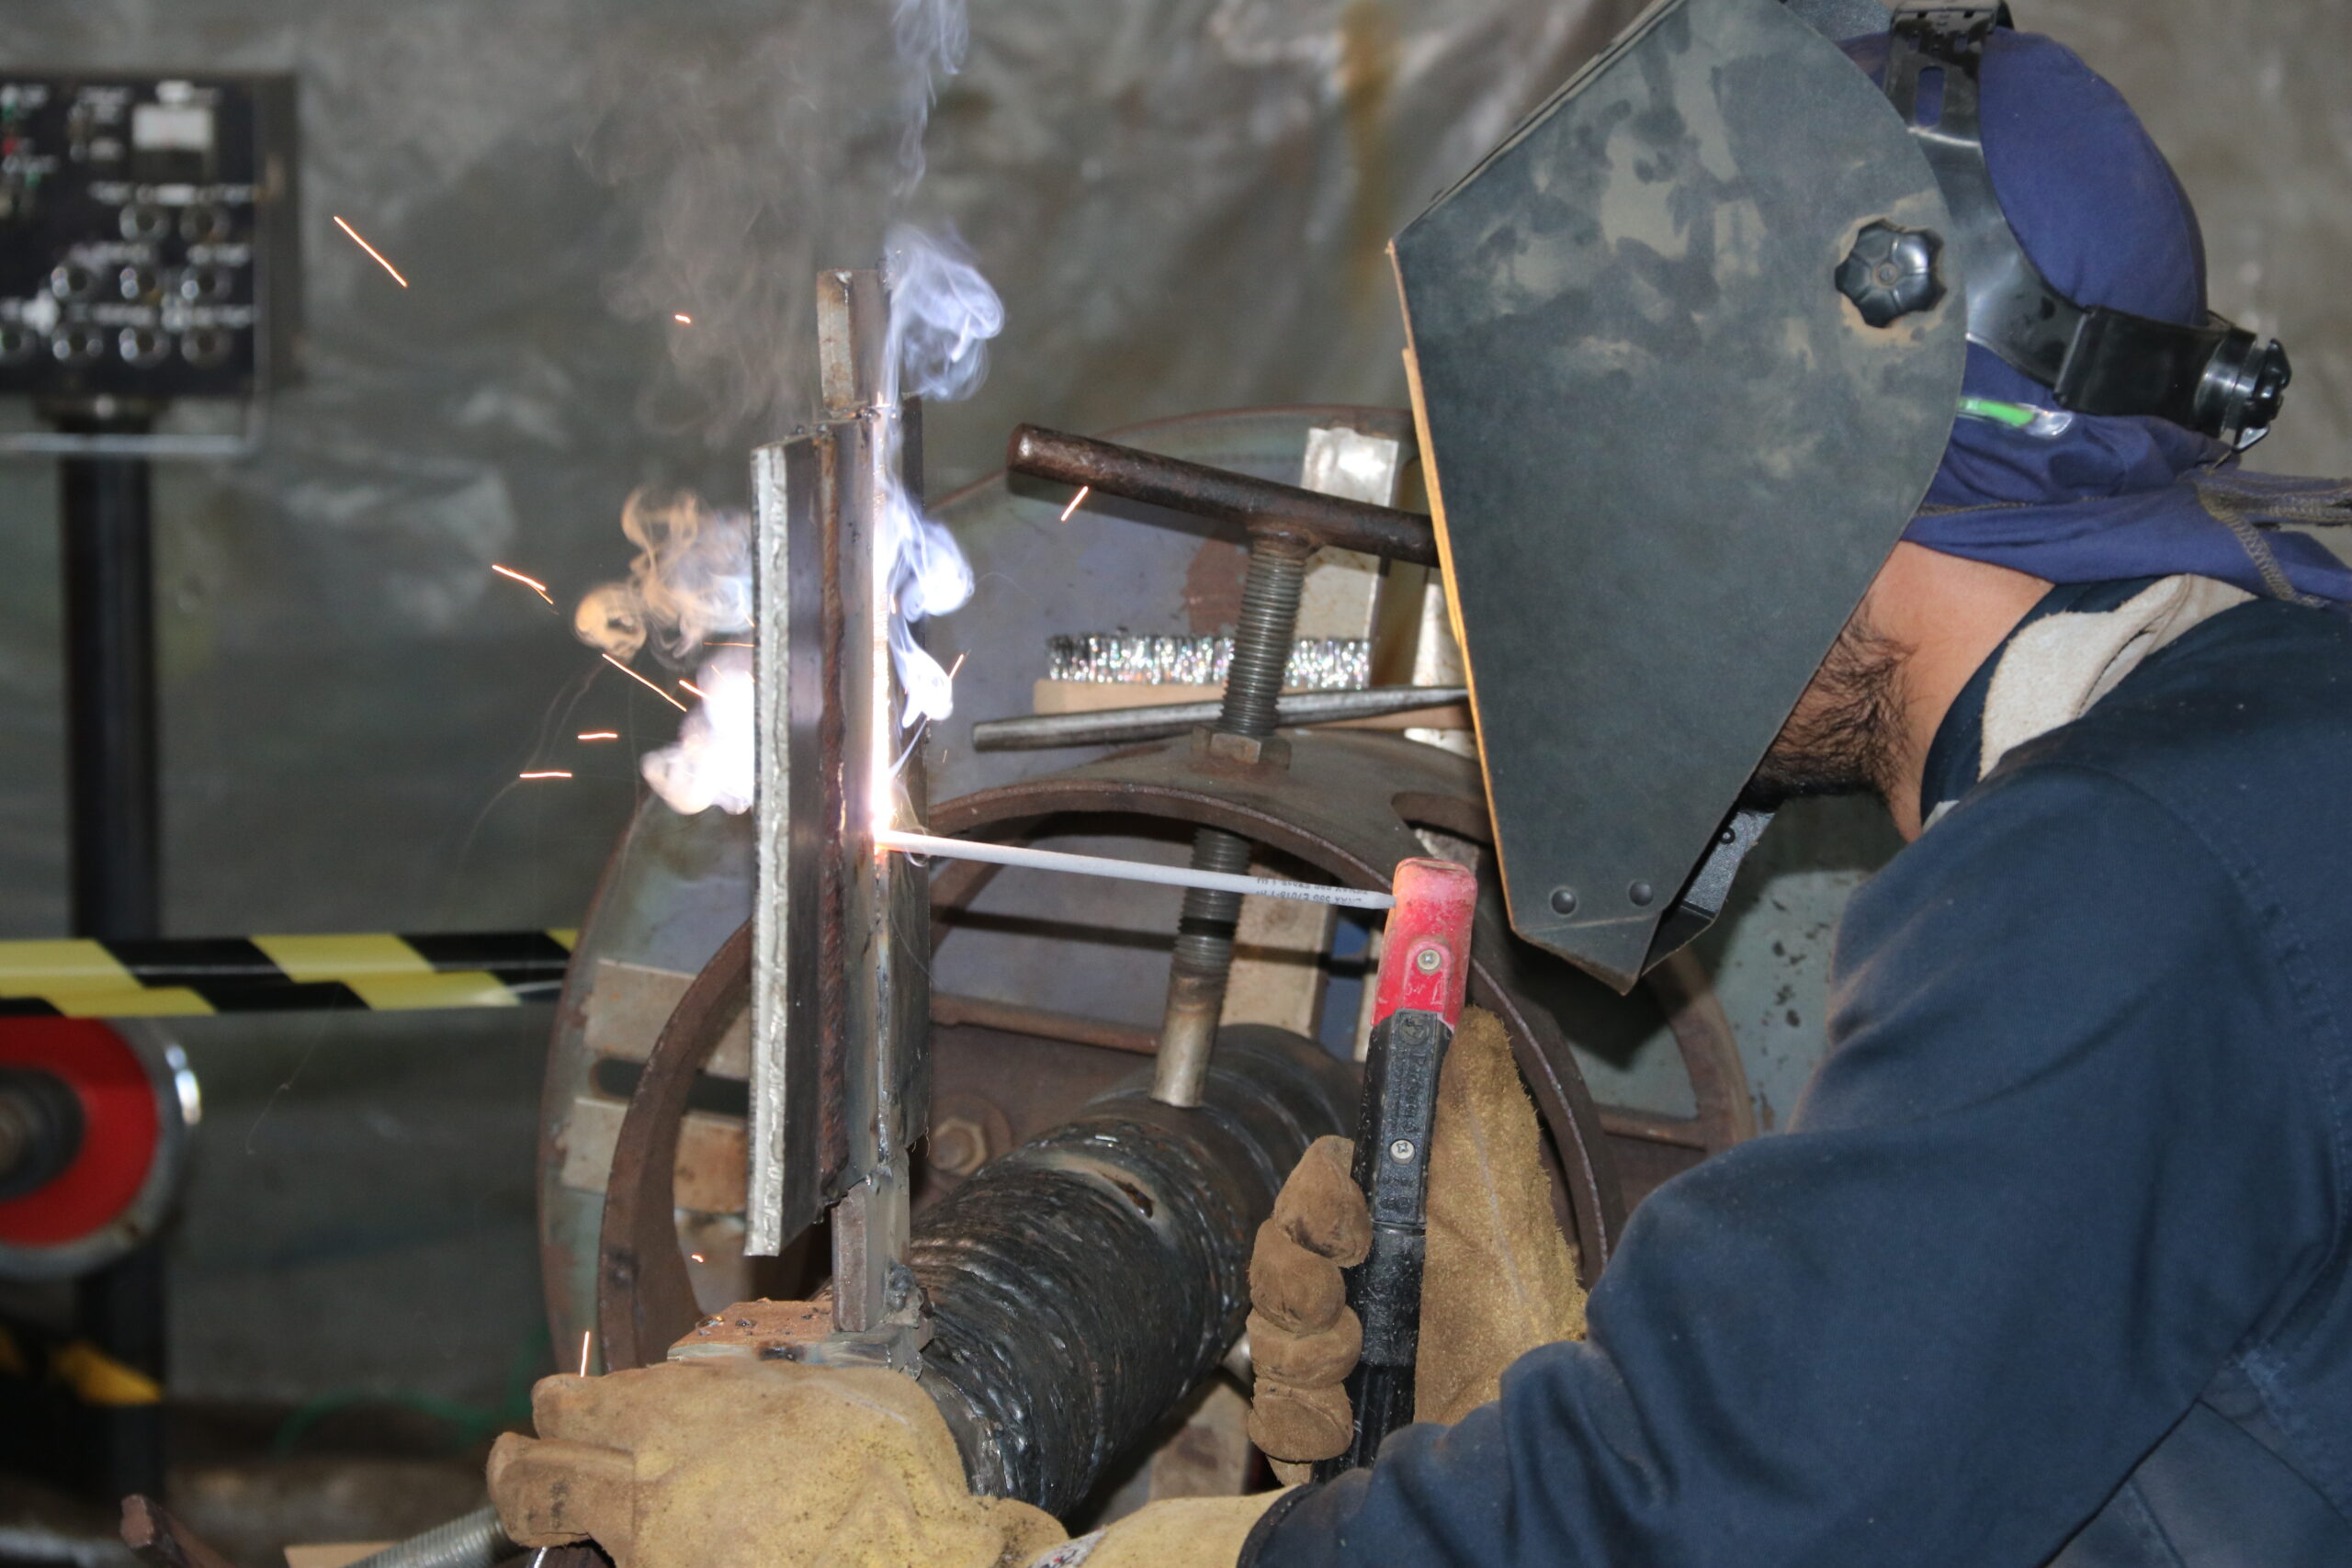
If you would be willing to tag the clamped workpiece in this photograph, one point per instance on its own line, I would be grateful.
(1424, 968)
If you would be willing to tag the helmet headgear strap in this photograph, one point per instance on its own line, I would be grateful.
(2213, 378)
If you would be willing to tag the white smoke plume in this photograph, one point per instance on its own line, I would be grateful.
(942, 314)
(691, 580)
(692, 576)
(932, 37)
(711, 762)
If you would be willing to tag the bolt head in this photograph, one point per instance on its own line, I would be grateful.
(1428, 960)
(1564, 901)
(1641, 893)
(1401, 1150)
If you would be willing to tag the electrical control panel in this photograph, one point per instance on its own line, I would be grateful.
(147, 236)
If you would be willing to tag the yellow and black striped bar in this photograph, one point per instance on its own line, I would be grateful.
(369, 970)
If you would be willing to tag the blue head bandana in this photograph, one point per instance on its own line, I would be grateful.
(2078, 498)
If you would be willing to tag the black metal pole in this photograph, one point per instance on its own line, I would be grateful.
(109, 552)
(112, 807)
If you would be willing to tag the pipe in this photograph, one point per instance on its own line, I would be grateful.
(1039, 732)
(469, 1540)
(1081, 1285)
(1201, 492)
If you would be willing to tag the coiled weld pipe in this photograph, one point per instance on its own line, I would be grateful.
(1083, 1285)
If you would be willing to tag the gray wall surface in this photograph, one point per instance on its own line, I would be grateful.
(1184, 202)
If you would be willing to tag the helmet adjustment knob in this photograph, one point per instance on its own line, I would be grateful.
(1890, 272)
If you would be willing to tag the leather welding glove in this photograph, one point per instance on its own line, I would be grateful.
(1176, 1533)
(1499, 1278)
(754, 1465)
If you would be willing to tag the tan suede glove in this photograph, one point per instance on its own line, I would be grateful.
(1499, 1278)
(1179, 1532)
(754, 1465)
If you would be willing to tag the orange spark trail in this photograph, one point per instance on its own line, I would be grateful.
(583, 1351)
(599, 735)
(533, 583)
(682, 319)
(1077, 500)
(698, 690)
(372, 250)
(643, 681)
(549, 774)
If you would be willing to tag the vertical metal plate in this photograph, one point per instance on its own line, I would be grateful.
(1666, 454)
(792, 489)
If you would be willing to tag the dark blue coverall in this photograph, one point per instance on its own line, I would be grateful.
(2053, 1264)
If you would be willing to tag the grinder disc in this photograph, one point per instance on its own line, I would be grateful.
(104, 1177)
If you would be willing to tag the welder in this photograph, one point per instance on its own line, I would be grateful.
(2054, 1263)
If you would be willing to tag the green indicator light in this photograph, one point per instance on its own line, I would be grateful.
(2017, 416)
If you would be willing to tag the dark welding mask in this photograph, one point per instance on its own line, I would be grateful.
(1686, 350)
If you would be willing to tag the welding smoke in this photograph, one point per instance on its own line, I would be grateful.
(931, 36)
(692, 576)
(711, 762)
(942, 314)
(691, 581)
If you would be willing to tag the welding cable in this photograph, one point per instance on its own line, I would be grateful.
(371, 970)
(469, 1540)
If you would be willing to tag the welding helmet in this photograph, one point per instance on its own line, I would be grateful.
(1686, 351)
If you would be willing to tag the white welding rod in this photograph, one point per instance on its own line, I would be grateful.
(1129, 870)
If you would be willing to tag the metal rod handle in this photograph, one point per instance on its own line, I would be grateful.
(1200, 490)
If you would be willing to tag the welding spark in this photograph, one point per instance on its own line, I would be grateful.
(681, 318)
(599, 735)
(695, 1256)
(547, 774)
(533, 583)
(1077, 500)
(583, 1350)
(698, 690)
(923, 724)
(372, 250)
(643, 681)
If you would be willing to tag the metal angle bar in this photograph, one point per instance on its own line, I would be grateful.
(1040, 731)
(1130, 870)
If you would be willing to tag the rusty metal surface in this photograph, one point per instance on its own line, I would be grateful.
(1263, 506)
(161, 1541)
(947, 1008)
(675, 888)
(644, 1298)
(1709, 1052)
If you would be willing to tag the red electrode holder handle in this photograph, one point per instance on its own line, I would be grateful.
(1425, 955)
(1424, 969)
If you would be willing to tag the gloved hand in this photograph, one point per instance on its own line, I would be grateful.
(1177, 1533)
(1497, 1280)
(773, 1464)
(753, 1464)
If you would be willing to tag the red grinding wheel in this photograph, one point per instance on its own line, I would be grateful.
(134, 1098)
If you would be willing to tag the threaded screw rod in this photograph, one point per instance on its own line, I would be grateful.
(1253, 684)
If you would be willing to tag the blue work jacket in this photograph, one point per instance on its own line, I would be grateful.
(2052, 1266)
